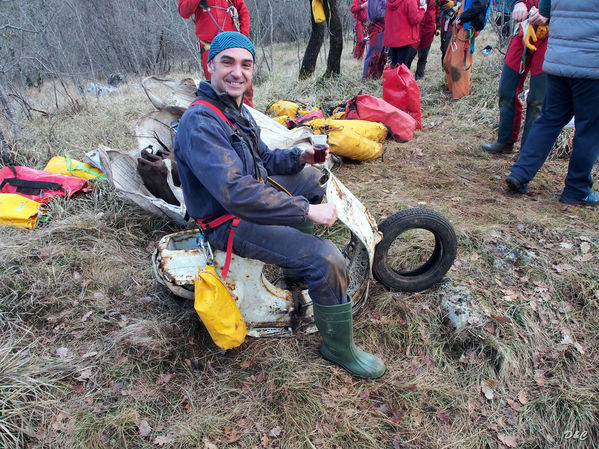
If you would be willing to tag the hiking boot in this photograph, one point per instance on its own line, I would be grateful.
(497, 147)
(592, 199)
(515, 185)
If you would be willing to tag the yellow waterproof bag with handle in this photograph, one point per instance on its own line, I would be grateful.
(217, 309)
(17, 210)
(318, 11)
(72, 167)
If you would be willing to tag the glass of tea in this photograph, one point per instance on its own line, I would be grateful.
(319, 144)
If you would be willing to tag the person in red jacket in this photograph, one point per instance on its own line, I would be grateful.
(359, 9)
(402, 27)
(520, 60)
(213, 17)
(427, 34)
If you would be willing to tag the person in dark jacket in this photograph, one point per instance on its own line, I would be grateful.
(520, 60)
(225, 168)
(402, 27)
(572, 67)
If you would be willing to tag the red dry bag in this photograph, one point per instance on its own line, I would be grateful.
(373, 109)
(401, 90)
(39, 185)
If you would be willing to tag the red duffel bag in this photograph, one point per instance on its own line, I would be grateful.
(39, 185)
(367, 107)
(401, 90)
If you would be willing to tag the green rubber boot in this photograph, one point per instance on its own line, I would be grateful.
(307, 227)
(335, 325)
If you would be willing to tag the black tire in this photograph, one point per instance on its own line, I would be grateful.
(433, 268)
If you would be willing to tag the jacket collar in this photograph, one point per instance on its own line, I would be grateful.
(206, 88)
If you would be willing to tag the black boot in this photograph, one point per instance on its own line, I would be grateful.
(420, 69)
(497, 147)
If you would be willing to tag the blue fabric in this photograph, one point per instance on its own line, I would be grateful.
(217, 170)
(475, 14)
(317, 260)
(376, 10)
(564, 98)
(230, 39)
(573, 46)
(511, 85)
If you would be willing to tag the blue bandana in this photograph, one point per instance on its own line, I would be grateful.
(230, 39)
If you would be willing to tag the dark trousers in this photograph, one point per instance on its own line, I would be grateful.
(399, 55)
(445, 40)
(317, 260)
(422, 58)
(511, 85)
(564, 98)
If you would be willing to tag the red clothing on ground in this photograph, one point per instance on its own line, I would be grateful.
(534, 60)
(402, 22)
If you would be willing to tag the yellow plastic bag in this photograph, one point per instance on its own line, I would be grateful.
(350, 144)
(17, 210)
(282, 119)
(217, 309)
(283, 107)
(318, 11)
(371, 130)
(72, 167)
(359, 140)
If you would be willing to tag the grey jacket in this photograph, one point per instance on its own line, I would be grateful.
(573, 46)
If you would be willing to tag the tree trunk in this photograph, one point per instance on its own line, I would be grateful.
(335, 40)
(313, 48)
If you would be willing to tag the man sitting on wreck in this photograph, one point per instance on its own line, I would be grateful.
(228, 173)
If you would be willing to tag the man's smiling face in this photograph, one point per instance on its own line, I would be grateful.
(231, 72)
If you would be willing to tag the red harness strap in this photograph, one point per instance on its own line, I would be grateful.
(216, 110)
(204, 223)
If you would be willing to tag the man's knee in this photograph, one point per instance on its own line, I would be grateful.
(332, 257)
(313, 191)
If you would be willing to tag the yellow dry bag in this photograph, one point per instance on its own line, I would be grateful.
(217, 309)
(72, 167)
(283, 107)
(318, 11)
(16, 210)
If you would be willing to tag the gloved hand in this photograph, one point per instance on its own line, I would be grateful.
(520, 12)
(448, 5)
(423, 4)
(542, 31)
(530, 36)
(538, 19)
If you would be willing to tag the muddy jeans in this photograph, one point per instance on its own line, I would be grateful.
(317, 260)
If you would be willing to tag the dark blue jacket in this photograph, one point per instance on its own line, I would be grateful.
(220, 168)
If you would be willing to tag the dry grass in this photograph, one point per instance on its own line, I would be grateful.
(134, 356)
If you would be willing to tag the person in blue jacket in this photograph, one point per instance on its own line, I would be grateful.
(572, 67)
(225, 168)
